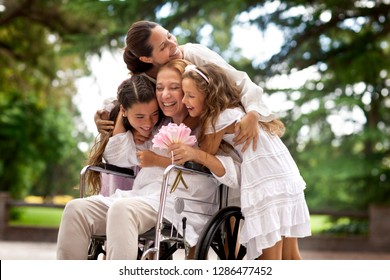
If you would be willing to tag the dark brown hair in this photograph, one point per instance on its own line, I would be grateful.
(137, 89)
(137, 45)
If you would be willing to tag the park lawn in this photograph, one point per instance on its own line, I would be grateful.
(320, 223)
(36, 216)
(51, 217)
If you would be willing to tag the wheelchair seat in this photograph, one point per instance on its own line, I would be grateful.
(220, 234)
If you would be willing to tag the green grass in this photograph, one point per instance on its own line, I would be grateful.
(323, 224)
(320, 223)
(51, 217)
(36, 216)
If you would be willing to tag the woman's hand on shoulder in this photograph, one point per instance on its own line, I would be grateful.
(247, 131)
(103, 124)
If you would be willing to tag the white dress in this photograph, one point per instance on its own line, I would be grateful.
(272, 190)
(148, 182)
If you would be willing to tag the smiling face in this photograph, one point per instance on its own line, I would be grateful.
(193, 99)
(169, 94)
(165, 47)
(143, 116)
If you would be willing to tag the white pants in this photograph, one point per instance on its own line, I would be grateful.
(121, 223)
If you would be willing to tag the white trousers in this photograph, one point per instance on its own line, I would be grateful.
(121, 223)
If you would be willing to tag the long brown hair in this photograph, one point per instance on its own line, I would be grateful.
(137, 45)
(136, 89)
(93, 178)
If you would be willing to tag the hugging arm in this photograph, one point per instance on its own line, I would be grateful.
(183, 153)
(225, 166)
(103, 124)
(247, 131)
(205, 155)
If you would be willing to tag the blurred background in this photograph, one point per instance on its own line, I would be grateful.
(324, 67)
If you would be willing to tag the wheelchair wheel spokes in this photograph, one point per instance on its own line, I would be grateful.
(232, 233)
(221, 234)
(218, 245)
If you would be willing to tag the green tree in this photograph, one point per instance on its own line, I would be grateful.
(337, 123)
(347, 43)
(37, 121)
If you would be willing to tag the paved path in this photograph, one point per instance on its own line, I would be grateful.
(46, 251)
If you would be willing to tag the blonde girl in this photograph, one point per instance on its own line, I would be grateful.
(272, 189)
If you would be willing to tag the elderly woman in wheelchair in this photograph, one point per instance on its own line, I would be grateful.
(126, 216)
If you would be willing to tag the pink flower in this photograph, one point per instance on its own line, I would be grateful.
(171, 134)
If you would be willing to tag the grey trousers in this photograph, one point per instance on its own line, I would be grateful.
(122, 222)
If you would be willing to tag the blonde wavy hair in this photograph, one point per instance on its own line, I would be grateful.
(220, 94)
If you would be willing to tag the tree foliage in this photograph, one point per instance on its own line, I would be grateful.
(38, 129)
(343, 111)
(337, 122)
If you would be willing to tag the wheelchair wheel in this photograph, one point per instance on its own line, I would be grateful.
(221, 234)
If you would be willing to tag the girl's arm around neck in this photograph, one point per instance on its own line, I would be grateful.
(211, 162)
(211, 142)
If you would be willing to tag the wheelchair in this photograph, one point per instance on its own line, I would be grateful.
(218, 239)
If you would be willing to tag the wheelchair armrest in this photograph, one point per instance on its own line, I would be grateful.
(120, 171)
(197, 167)
(201, 169)
(103, 168)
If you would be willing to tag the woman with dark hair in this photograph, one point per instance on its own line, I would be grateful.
(149, 46)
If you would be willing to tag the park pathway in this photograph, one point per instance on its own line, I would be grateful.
(46, 251)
